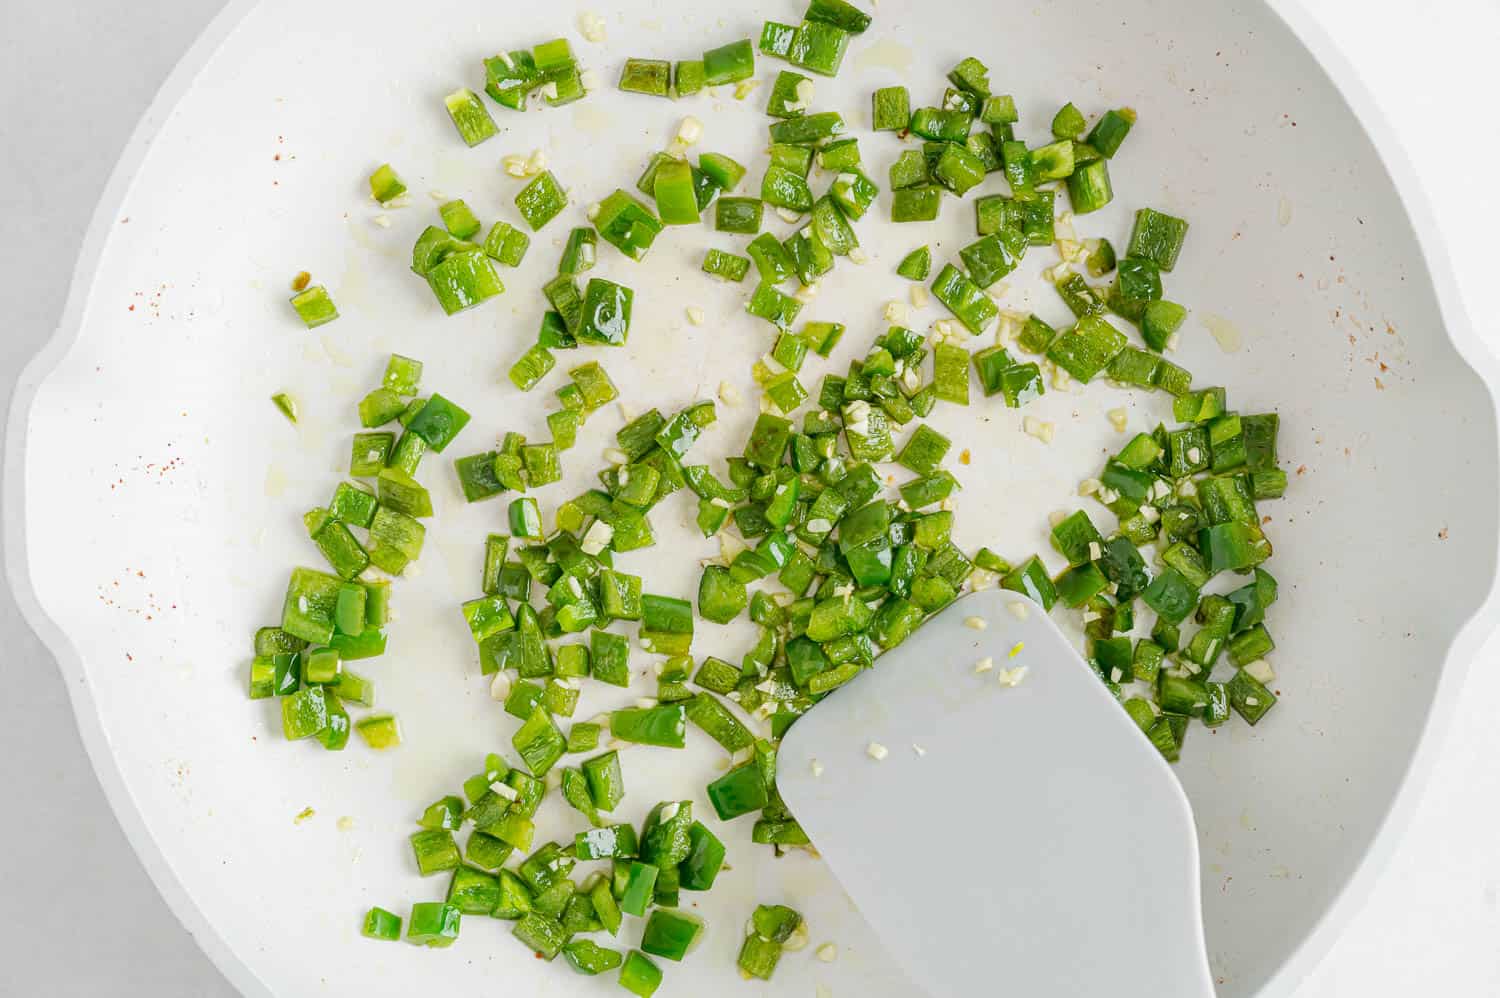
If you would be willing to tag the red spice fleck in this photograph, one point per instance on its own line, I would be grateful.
(130, 308)
(129, 657)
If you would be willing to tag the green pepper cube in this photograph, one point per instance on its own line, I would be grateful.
(381, 924)
(477, 478)
(819, 47)
(539, 743)
(304, 713)
(439, 422)
(386, 186)
(916, 265)
(759, 956)
(469, 116)
(739, 215)
(606, 313)
(688, 77)
(606, 780)
(506, 244)
(610, 654)
(916, 203)
(594, 385)
(322, 665)
(1110, 130)
(1053, 161)
(435, 850)
(812, 128)
(433, 923)
(725, 173)
(1250, 698)
(541, 933)
(784, 188)
(676, 202)
(459, 219)
(664, 725)
(1087, 348)
(473, 892)
(908, 170)
(1158, 237)
(314, 306)
(924, 451)
(965, 300)
(704, 860)
(639, 887)
(784, 101)
(627, 224)
(532, 367)
(958, 169)
(403, 375)
(1159, 322)
(543, 466)
(463, 280)
(720, 597)
(726, 266)
(613, 842)
(670, 934)
(380, 731)
(729, 63)
(646, 76)
(639, 975)
(554, 54)
(781, 310)
(487, 616)
(583, 737)
(1089, 187)
(891, 109)
(740, 791)
(590, 958)
(994, 256)
(541, 200)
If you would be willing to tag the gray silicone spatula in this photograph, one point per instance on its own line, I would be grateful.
(1005, 834)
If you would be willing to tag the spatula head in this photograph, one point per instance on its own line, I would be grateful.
(1004, 833)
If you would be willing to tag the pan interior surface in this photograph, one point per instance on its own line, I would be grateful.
(163, 492)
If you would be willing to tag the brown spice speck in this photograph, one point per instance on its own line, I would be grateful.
(301, 281)
(1443, 534)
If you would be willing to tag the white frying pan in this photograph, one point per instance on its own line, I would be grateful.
(153, 494)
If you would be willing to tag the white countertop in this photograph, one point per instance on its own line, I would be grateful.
(74, 77)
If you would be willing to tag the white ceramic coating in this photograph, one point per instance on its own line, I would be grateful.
(153, 494)
(986, 736)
